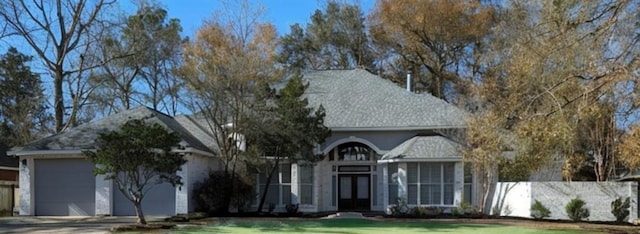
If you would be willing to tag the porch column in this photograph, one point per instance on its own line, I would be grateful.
(385, 185)
(295, 188)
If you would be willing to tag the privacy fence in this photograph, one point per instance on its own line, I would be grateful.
(8, 195)
(515, 198)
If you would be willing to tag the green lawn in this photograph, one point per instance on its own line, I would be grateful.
(355, 226)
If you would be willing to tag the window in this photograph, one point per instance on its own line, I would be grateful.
(354, 152)
(305, 175)
(468, 181)
(430, 183)
(392, 170)
(279, 191)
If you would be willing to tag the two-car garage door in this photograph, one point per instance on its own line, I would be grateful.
(64, 187)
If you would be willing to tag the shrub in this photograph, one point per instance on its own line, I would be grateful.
(220, 191)
(292, 209)
(424, 211)
(576, 211)
(539, 211)
(620, 209)
(455, 211)
(400, 209)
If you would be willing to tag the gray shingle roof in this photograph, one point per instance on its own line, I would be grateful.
(425, 147)
(198, 126)
(83, 136)
(359, 99)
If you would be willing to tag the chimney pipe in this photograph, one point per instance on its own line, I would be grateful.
(409, 81)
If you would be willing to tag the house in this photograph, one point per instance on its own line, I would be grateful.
(387, 145)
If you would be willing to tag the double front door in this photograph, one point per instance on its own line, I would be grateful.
(354, 192)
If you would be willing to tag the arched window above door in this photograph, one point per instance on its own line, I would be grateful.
(353, 151)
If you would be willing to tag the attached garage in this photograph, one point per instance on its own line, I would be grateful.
(64, 187)
(159, 200)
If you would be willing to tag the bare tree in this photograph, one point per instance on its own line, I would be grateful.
(57, 31)
(225, 68)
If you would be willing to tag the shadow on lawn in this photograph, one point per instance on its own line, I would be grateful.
(341, 226)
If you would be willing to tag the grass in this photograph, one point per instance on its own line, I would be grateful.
(356, 226)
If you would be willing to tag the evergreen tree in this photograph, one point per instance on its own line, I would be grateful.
(137, 157)
(22, 109)
(291, 129)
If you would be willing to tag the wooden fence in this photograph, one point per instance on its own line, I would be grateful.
(8, 197)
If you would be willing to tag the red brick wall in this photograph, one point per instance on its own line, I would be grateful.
(8, 175)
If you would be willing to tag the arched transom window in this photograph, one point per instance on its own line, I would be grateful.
(354, 151)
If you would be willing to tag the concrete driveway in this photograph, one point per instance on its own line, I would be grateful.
(29, 224)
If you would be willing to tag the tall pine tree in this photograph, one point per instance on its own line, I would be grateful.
(22, 104)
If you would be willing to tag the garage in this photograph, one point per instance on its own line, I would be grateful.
(64, 187)
(160, 200)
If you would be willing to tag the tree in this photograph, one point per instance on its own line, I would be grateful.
(545, 70)
(224, 69)
(437, 41)
(156, 42)
(334, 39)
(59, 32)
(483, 148)
(23, 114)
(597, 136)
(137, 157)
(148, 48)
(290, 130)
(629, 147)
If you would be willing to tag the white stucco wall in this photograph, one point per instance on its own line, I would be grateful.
(26, 182)
(195, 171)
(104, 200)
(516, 198)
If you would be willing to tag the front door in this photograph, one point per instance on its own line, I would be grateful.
(354, 192)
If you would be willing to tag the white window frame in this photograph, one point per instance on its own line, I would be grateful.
(418, 184)
(279, 184)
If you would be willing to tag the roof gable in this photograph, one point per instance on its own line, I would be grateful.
(425, 147)
(359, 99)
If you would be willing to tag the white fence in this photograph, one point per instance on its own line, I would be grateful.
(515, 198)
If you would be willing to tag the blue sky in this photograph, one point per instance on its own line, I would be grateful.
(282, 13)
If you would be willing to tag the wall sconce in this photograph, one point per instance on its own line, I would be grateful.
(24, 163)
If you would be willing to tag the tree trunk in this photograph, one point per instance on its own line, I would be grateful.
(138, 206)
(58, 103)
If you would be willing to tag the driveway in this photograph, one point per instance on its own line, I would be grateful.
(29, 224)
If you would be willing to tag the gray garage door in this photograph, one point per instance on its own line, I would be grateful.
(64, 187)
(160, 200)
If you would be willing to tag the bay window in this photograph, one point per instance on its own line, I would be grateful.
(430, 183)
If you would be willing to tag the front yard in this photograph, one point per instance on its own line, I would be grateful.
(384, 226)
